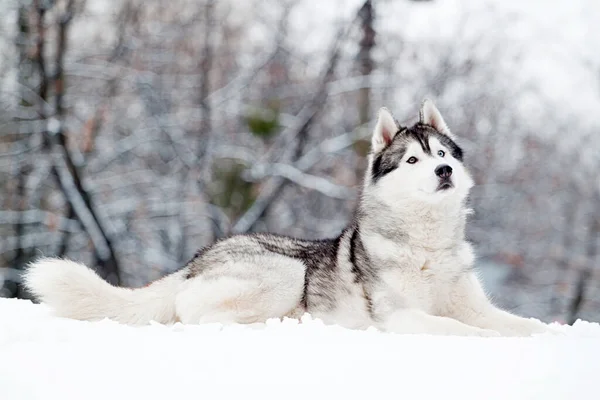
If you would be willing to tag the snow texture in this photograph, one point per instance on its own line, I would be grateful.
(45, 357)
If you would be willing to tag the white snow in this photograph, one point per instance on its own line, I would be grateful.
(45, 357)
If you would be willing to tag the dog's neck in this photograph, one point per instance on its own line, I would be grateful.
(415, 224)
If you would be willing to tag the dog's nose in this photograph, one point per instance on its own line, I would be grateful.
(443, 171)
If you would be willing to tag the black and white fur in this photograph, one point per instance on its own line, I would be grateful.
(402, 265)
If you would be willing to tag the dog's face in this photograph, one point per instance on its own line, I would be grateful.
(422, 162)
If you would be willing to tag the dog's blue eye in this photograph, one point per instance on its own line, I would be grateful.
(412, 160)
(441, 153)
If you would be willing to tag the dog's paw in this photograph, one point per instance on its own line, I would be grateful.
(488, 333)
(476, 332)
(527, 327)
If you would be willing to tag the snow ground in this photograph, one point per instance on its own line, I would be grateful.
(44, 357)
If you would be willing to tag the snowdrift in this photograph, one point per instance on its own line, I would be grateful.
(45, 357)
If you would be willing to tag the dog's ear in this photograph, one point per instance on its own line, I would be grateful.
(385, 130)
(430, 115)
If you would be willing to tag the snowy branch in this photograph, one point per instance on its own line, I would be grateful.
(300, 178)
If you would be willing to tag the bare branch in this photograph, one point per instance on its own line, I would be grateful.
(38, 217)
(300, 178)
(40, 7)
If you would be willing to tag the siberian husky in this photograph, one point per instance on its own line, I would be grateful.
(401, 265)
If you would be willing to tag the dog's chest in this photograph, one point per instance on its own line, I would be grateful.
(425, 279)
(417, 276)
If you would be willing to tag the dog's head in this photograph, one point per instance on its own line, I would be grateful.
(422, 162)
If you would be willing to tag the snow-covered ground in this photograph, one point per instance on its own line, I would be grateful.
(44, 357)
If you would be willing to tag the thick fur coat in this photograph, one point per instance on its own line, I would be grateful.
(401, 265)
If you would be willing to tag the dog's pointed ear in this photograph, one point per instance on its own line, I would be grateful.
(385, 130)
(430, 115)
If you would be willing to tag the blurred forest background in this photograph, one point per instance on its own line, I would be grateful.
(133, 132)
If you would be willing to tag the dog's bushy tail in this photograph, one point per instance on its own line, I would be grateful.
(75, 291)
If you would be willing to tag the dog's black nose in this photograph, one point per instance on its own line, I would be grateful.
(443, 171)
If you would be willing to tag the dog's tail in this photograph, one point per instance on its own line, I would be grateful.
(75, 291)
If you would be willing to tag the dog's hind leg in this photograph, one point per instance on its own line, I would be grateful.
(244, 298)
(225, 300)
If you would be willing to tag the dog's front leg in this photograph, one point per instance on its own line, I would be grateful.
(468, 303)
(413, 321)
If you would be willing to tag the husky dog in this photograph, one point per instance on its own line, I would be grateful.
(401, 265)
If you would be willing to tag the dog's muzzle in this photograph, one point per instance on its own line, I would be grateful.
(444, 172)
(445, 183)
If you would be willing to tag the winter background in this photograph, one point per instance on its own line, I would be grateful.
(133, 132)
